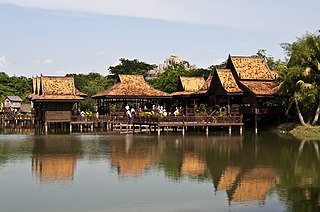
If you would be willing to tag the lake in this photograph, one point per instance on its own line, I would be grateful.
(147, 172)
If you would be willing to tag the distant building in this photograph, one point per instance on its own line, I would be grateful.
(13, 101)
(173, 59)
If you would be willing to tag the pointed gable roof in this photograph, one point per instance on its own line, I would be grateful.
(251, 68)
(54, 88)
(260, 88)
(192, 83)
(131, 86)
(14, 98)
(188, 85)
(205, 88)
(228, 81)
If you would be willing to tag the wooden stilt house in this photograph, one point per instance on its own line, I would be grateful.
(53, 98)
(185, 88)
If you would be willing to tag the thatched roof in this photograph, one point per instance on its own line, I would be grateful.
(192, 83)
(228, 81)
(131, 87)
(260, 88)
(204, 89)
(188, 85)
(251, 68)
(79, 93)
(54, 88)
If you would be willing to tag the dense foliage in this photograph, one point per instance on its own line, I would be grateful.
(300, 80)
(131, 67)
(168, 81)
(14, 86)
(91, 84)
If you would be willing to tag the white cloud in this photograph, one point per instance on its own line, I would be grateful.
(251, 14)
(43, 62)
(47, 61)
(231, 13)
(3, 61)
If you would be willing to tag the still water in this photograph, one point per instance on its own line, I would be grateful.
(144, 172)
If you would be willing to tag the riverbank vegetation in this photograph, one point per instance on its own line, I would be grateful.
(306, 132)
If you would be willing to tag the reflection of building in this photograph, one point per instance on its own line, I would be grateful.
(247, 185)
(192, 165)
(131, 158)
(131, 164)
(255, 184)
(54, 167)
(228, 177)
(54, 158)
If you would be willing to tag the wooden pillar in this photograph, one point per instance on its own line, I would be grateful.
(255, 124)
(81, 127)
(183, 130)
(70, 127)
(46, 128)
(92, 127)
(230, 131)
(241, 130)
(207, 130)
(255, 119)
(159, 130)
(228, 105)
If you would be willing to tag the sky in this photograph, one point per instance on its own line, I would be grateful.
(80, 36)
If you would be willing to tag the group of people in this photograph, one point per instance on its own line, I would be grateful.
(155, 108)
(130, 112)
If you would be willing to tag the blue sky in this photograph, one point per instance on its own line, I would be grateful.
(80, 36)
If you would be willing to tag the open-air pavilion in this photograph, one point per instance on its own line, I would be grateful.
(130, 89)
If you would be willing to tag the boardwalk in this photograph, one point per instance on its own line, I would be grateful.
(124, 124)
(135, 124)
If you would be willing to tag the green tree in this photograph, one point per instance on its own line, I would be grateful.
(272, 63)
(168, 81)
(14, 86)
(91, 84)
(131, 67)
(304, 55)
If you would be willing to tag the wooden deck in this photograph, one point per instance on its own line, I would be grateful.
(126, 124)
(136, 123)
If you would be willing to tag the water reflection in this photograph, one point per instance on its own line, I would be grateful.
(54, 158)
(131, 157)
(242, 168)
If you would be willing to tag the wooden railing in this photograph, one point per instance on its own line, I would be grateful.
(260, 110)
(201, 119)
(156, 120)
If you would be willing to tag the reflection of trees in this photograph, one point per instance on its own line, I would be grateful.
(54, 158)
(303, 183)
(12, 147)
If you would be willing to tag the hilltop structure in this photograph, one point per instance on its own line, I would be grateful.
(173, 59)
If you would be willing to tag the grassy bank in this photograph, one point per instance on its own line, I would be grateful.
(306, 132)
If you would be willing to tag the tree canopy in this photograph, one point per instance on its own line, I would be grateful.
(14, 86)
(135, 66)
(168, 81)
(301, 78)
(91, 84)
